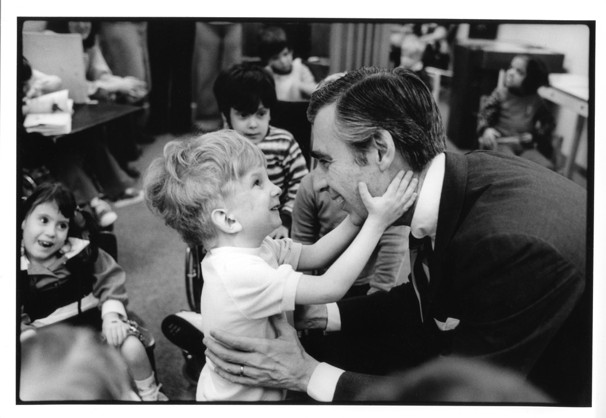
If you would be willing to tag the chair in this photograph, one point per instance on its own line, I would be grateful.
(292, 116)
(193, 276)
(436, 75)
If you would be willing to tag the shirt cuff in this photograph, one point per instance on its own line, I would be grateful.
(323, 382)
(112, 305)
(333, 317)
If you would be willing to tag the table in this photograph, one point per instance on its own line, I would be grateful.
(87, 116)
(572, 92)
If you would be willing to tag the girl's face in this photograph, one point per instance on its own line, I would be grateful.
(516, 73)
(44, 232)
(253, 126)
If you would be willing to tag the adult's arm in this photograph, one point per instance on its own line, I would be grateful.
(276, 363)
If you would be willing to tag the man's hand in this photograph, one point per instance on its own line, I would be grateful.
(279, 233)
(311, 317)
(276, 363)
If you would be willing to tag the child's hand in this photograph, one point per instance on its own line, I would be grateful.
(279, 233)
(488, 140)
(397, 199)
(114, 330)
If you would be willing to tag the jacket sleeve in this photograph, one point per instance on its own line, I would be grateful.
(109, 285)
(489, 112)
(510, 308)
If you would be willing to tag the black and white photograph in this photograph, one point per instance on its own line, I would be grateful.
(391, 210)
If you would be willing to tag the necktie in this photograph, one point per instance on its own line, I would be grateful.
(420, 254)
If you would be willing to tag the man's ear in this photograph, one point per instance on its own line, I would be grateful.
(386, 149)
(225, 222)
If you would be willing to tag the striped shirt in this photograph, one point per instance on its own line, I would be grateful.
(286, 165)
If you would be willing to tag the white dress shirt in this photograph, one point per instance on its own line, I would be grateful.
(323, 381)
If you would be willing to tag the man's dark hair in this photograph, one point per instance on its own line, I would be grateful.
(371, 99)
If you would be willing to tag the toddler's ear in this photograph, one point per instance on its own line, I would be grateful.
(225, 222)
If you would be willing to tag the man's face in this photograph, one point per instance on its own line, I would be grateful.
(338, 172)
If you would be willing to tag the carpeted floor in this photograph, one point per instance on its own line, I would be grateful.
(153, 256)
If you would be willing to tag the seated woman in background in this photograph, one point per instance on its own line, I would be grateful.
(104, 85)
(84, 165)
(515, 119)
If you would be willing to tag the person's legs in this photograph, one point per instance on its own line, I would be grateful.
(141, 370)
(206, 67)
(232, 45)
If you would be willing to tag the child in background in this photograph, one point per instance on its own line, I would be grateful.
(246, 94)
(411, 57)
(315, 214)
(215, 191)
(515, 119)
(66, 363)
(65, 277)
(294, 80)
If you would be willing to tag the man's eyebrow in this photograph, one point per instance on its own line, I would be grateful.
(318, 155)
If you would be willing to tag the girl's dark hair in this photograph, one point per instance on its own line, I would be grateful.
(272, 40)
(52, 192)
(62, 26)
(244, 87)
(536, 74)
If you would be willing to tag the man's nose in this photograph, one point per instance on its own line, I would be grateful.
(320, 183)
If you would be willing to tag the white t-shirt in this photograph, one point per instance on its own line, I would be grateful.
(243, 287)
(288, 86)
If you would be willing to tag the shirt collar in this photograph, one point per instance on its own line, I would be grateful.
(76, 244)
(425, 218)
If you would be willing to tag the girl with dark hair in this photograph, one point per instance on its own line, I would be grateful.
(515, 119)
(65, 277)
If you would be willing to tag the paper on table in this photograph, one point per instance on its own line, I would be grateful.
(48, 123)
(49, 103)
(49, 114)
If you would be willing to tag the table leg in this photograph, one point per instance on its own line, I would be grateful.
(569, 167)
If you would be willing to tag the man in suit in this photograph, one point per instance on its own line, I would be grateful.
(500, 276)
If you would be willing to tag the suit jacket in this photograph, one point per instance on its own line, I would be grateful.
(508, 270)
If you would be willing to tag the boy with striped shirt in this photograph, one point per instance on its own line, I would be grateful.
(246, 94)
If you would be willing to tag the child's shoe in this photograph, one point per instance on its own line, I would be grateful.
(153, 394)
(128, 197)
(103, 211)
